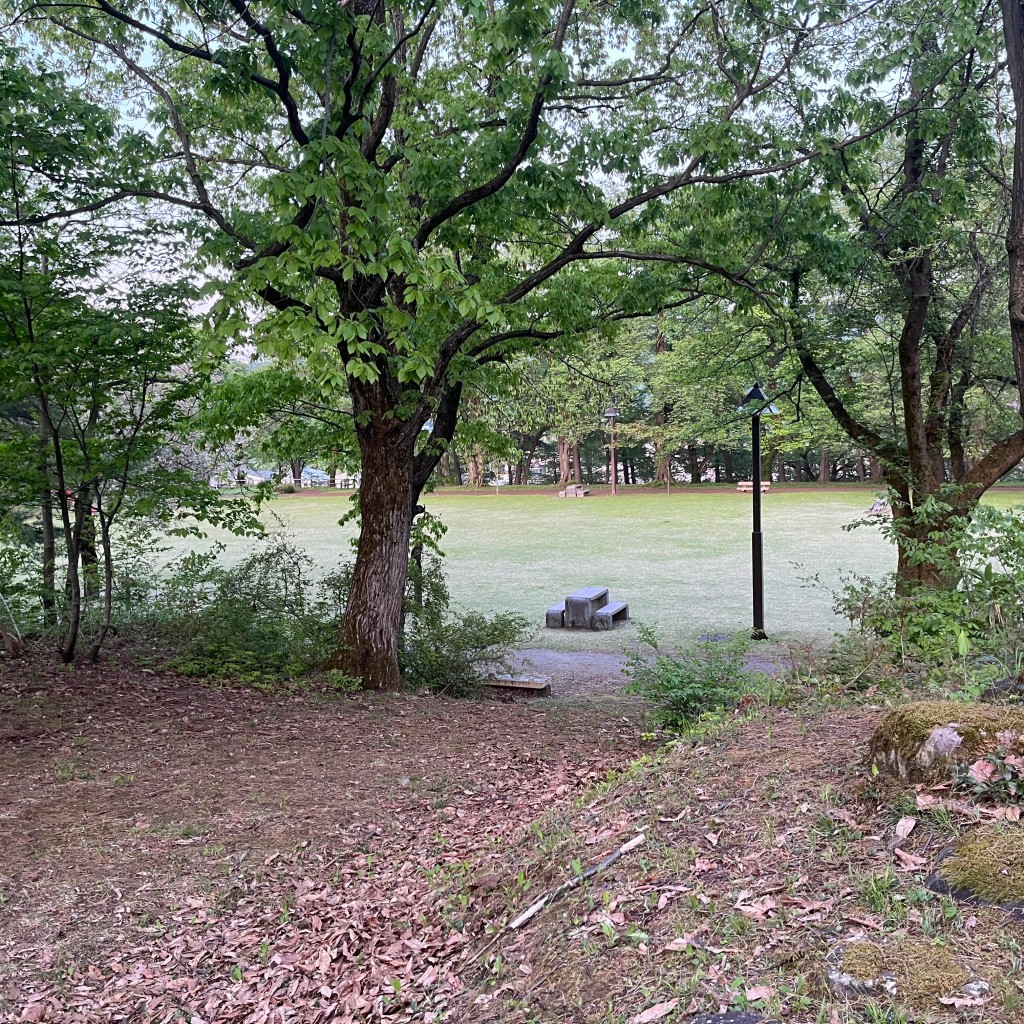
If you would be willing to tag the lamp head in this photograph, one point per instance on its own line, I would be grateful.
(755, 403)
(611, 413)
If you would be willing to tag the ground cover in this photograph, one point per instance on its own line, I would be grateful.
(232, 856)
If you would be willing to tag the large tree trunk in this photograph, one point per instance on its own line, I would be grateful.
(577, 469)
(373, 618)
(563, 460)
(730, 468)
(823, 475)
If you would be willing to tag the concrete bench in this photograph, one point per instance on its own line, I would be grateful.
(606, 617)
(574, 491)
(554, 617)
(747, 486)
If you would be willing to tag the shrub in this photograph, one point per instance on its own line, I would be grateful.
(709, 676)
(981, 609)
(268, 617)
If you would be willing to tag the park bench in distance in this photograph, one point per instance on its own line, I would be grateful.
(747, 486)
(588, 608)
(574, 491)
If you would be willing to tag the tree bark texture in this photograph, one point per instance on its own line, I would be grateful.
(372, 624)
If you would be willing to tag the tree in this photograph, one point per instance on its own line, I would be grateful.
(419, 190)
(95, 357)
(896, 287)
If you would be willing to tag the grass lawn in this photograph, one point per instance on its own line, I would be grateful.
(681, 561)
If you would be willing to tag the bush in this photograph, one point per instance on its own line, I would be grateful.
(445, 651)
(709, 676)
(266, 618)
(980, 611)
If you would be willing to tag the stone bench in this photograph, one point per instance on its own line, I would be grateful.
(554, 617)
(606, 617)
(747, 486)
(574, 491)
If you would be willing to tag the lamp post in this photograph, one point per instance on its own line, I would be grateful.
(610, 415)
(756, 404)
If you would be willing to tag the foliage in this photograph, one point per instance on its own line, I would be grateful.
(268, 617)
(451, 653)
(996, 776)
(979, 610)
(707, 677)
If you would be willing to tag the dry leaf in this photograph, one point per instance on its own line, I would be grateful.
(760, 992)
(655, 1012)
(904, 827)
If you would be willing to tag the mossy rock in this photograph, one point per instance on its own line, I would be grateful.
(920, 742)
(914, 972)
(987, 867)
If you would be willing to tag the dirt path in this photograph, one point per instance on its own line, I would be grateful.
(134, 804)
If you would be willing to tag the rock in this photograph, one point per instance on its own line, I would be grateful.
(985, 867)
(915, 972)
(731, 1017)
(920, 742)
(977, 989)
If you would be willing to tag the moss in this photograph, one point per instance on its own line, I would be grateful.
(989, 863)
(923, 972)
(901, 735)
(863, 961)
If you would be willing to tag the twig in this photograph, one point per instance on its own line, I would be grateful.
(565, 887)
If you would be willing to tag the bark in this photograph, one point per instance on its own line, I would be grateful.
(476, 469)
(729, 466)
(1013, 33)
(823, 476)
(693, 460)
(108, 585)
(372, 623)
(296, 467)
(563, 460)
(49, 595)
(577, 469)
(458, 468)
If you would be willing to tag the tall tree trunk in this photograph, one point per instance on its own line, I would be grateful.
(823, 474)
(49, 539)
(108, 584)
(373, 618)
(563, 460)
(476, 469)
(577, 469)
(458, 467)
(729, 465)
(693, 460)
(1013, 33)
(296, 469)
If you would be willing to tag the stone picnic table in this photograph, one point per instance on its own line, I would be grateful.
(587, 608)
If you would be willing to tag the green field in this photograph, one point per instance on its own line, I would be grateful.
(682, 561)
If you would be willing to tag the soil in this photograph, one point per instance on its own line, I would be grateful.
(128, 798)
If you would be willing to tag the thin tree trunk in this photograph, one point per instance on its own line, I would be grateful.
(458, 467)
(49, 593)
(108, 585)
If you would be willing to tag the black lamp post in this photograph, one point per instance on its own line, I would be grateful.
(756, 404)
(610, 415)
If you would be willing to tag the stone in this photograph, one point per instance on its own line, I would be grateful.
(730, 1017)
(923, 740)
(985, 867)
(916, 972)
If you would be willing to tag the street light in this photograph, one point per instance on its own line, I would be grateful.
(755, 405)
(610, 415)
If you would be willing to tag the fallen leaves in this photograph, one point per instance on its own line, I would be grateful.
(655, 1012)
